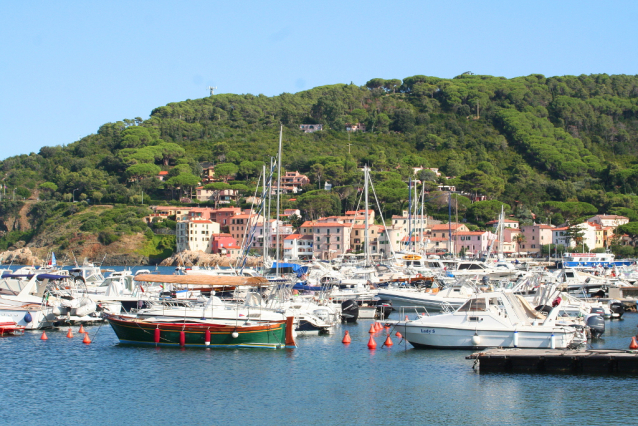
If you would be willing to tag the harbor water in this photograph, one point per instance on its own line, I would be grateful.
(63, 381)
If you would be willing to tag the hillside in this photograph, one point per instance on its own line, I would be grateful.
(558, 147)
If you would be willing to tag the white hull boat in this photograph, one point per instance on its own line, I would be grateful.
(491, 320)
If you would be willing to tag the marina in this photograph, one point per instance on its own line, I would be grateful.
(332, 382)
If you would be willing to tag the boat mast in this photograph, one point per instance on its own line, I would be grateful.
(416, 219)
(501, 226)
(281, 132)
(449, 215)
(409, 211)
(264, 250)
(367, 224)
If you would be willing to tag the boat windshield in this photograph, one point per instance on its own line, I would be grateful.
(473, 305)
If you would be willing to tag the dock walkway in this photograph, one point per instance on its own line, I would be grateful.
(598, 361)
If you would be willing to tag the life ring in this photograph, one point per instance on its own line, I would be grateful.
(419, 276)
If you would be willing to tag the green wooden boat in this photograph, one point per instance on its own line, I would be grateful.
(205, 334)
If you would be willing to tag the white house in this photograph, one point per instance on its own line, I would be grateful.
(195, 235)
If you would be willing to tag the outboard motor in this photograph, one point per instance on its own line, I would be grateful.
(616, 309)
(384, 308)
(349, 311)
(596, 325)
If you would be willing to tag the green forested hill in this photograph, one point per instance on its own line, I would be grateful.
(531, 142)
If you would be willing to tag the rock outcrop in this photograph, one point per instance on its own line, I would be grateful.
(20, 256)
(199, 258)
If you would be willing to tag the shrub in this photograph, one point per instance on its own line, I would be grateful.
(107, 238)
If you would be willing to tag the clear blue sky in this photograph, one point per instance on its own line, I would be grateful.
(67, 67)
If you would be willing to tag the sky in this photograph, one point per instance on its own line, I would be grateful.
(67, 67)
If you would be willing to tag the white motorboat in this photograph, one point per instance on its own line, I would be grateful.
(431, 298)
(500, 319)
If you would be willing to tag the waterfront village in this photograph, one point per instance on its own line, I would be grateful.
(227, 230)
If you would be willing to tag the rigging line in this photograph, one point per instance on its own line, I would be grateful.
(246, 247)
(382, 219)
(251, 209)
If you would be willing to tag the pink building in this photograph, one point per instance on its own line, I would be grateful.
(224, 244)
(476, 243)
(534, 237)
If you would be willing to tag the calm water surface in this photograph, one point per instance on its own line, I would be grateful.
(62, 381)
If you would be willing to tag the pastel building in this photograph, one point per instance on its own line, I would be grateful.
(195, 235)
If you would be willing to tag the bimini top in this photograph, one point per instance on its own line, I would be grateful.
(202, 280)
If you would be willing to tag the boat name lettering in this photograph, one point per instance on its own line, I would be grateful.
(428, 330)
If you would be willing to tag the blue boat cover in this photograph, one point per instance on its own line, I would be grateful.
(300, 270)
(52, 277)
(302, 286)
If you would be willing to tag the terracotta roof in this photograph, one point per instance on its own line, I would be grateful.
(293, 237)
(464, 233)
(201, 221)
(163, 173)
(247, 216)
(446, 226)
(331, 225)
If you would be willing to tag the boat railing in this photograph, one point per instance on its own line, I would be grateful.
(412, 312)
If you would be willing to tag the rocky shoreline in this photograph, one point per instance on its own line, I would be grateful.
(24, 256)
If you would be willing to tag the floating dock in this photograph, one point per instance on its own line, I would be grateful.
(597, 361)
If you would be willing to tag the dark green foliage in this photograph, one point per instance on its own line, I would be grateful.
(10, 238)
(524, 141)
(107, 238)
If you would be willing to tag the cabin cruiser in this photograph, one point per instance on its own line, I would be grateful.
(434, 297)
(500, 319)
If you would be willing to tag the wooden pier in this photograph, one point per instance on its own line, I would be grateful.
(599, 361)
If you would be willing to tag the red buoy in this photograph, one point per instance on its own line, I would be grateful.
(346, 338)
(633, 344)
(156, 337)
(81, 329)
(372, 329)
(44, 336)
(207, 338)
(399, 335)
(388, 341)
(69, 334)
(372, 344)
(182, 338)
(86, 339)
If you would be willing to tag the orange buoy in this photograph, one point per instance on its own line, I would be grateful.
(371, 343)
(406, 318)
(399, 335)
(86, 339)
(633, 344)
(44, 336)
(372, 329)
(69, 334)
(81, 330)
(388, 341)
(346, 338)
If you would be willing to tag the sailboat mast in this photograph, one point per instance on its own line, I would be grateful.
(449, 215)
(416, 219)
(281, 132)
(264, 250)
(367, 224)
(409, 212)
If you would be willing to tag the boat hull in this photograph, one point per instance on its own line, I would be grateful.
(430, 302)
(132, 331)
(432, 336)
